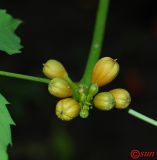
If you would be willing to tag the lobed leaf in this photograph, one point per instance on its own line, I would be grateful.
(5, 131)
(9, 41)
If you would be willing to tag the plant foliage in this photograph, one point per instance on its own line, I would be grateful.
(5, 131)
(9, 41)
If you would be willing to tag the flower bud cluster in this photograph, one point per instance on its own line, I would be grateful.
(67, 108)
(104, 71)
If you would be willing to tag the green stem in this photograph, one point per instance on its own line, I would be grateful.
(25, 77)
(74, 87)
(97, 41)
(142, 117)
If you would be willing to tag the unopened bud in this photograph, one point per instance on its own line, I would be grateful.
(104, 101)
(53, 68)
(105, 70)
(67, 109)
(93, 89)
(59, 88)
(122, 98)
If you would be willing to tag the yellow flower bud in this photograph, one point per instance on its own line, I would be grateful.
(53, 68)
(105, 70)
(67, 109)
(104, 101)
(59, 88)
(122, 98)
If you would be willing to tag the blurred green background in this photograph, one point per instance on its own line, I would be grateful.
(62, 30)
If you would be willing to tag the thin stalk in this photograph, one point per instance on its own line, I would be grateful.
(142, 117)
(97, 41)
(25, 77)
(74, 88)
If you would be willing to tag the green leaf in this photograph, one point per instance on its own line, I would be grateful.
(3, 154)
(9, 41)
(5, 131)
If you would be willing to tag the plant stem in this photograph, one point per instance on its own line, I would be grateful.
(142, 117)
(97, 41)
(74, 87)
(25, 77)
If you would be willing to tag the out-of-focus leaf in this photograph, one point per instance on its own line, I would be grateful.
(3, 154)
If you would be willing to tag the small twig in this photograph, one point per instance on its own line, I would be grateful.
(25, 77)
(142, 117)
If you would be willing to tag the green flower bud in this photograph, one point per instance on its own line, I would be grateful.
(53, 68)
(105, 70)
(84, 113)
(122, 98)
(104, 101)
(67, 109)
(82, 97)
(59, 88)
(93, 89)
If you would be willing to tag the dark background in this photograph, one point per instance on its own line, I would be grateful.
(62, 30)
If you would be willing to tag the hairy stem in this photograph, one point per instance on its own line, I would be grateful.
(97, 41)
(142, 117)
(25, 77)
